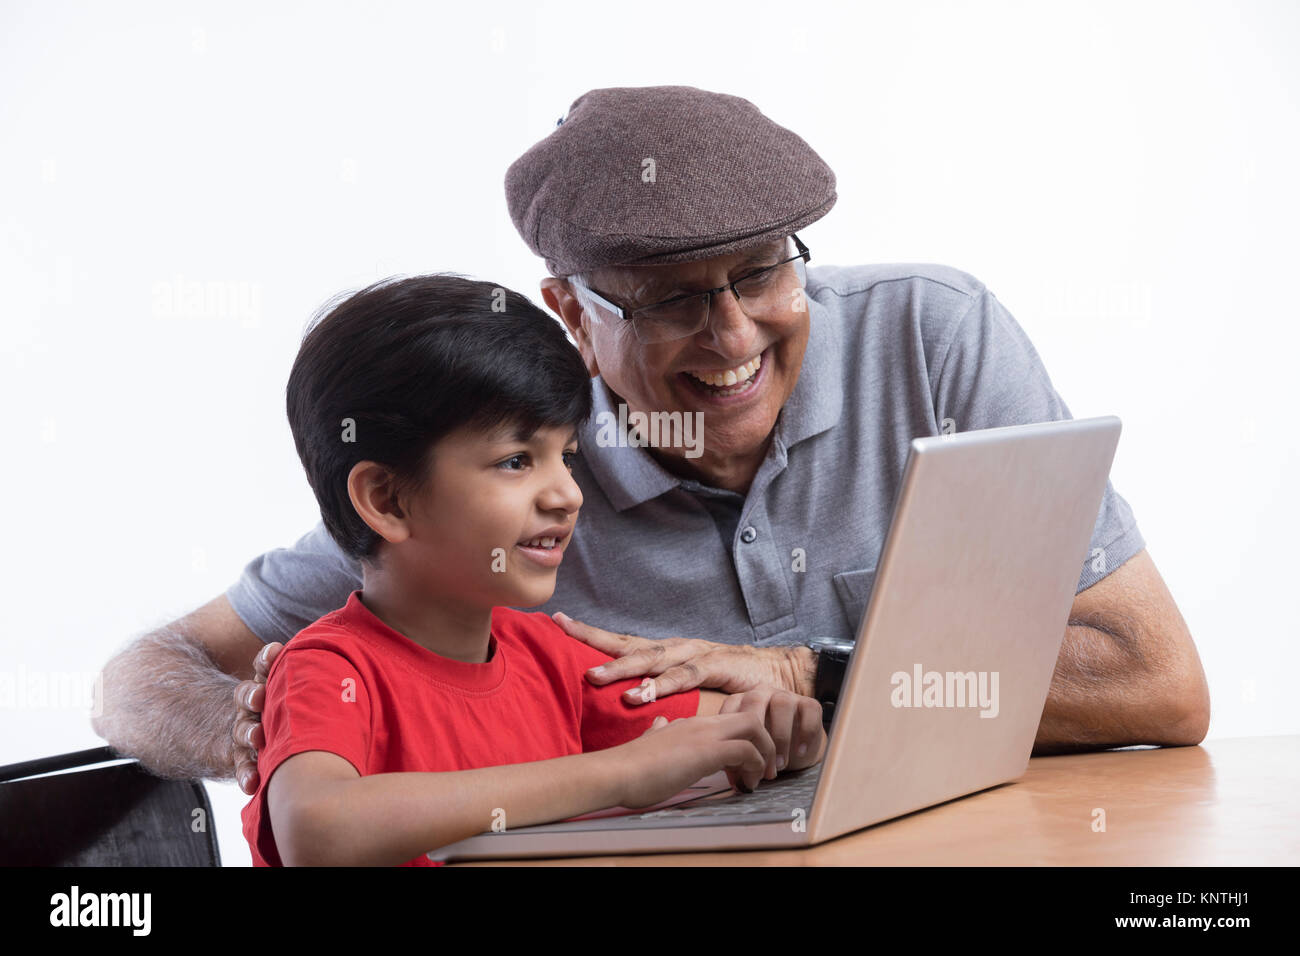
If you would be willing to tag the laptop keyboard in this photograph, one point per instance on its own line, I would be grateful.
(781, 796)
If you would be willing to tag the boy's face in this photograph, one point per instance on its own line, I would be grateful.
(492, 525)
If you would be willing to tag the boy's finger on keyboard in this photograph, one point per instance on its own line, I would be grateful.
(747, 761)
(758, 702)
(782, 716)
(809, 734)
(749, 725)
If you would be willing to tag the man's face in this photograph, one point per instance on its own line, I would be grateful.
(764, 352)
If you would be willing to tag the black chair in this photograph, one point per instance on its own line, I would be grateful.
(118, 815)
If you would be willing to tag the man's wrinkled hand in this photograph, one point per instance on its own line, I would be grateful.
(677, 664)
(248, 736)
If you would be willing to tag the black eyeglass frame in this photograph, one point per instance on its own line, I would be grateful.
(629, 314)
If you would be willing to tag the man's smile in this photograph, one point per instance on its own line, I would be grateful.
(719, 378)
(739, 382)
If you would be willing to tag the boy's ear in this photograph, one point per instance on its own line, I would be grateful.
(561, 299)
(371, 488)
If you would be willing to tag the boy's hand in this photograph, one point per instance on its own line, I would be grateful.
(248, 737)
(672, 755)
(793, 721)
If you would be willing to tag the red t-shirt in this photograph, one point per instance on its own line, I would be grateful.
(351, 685)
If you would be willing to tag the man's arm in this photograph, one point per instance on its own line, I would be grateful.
(169, 695)
(1128, 672)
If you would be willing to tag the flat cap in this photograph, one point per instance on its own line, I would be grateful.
(659, 174)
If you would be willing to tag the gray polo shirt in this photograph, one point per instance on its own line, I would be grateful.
(893, 352)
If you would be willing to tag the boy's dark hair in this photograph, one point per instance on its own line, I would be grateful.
(410, 360)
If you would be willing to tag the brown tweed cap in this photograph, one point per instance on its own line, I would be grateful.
(658, 174)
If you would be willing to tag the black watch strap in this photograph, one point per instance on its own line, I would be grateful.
(832, 663)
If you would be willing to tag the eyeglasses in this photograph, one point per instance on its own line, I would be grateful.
(758, 293)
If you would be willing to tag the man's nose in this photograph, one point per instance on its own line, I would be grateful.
(730, 331)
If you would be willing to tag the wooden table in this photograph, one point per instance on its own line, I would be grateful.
(1233, 801)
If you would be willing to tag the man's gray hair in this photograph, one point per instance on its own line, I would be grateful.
(581, 287)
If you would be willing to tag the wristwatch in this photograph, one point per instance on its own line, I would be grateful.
(832, 661)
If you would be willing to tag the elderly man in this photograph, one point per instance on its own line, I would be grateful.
(735, 545)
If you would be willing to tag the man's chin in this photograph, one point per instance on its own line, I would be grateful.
(718, 445)
(736, 436)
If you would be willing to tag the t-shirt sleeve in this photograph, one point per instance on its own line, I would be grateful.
(282, 591)
(608, 720)
(315, 700)
(989, 376)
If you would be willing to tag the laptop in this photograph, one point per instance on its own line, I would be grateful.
(950, 671)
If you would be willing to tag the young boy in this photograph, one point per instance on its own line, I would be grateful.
(437, 418)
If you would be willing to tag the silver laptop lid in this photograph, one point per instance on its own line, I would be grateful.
(957, 647)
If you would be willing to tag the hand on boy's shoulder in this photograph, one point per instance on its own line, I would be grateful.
(248, 735)
(585, 659)
(677, 664)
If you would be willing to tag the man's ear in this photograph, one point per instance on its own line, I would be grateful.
(561, 299)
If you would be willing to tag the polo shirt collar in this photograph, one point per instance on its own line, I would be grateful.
(626, 474)
(630, 476)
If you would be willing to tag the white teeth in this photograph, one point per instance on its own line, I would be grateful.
(540, 543)
(734, 376)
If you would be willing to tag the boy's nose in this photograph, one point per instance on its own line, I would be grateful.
(562, 493)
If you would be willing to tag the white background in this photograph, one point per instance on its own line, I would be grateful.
(1121, 175)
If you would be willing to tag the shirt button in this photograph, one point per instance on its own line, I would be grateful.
(748, 535)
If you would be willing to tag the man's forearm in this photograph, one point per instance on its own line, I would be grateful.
(166, 704)
(1105, 694)
(799, 670)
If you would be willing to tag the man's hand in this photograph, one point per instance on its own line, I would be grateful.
(250, 695)
(679, 664)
